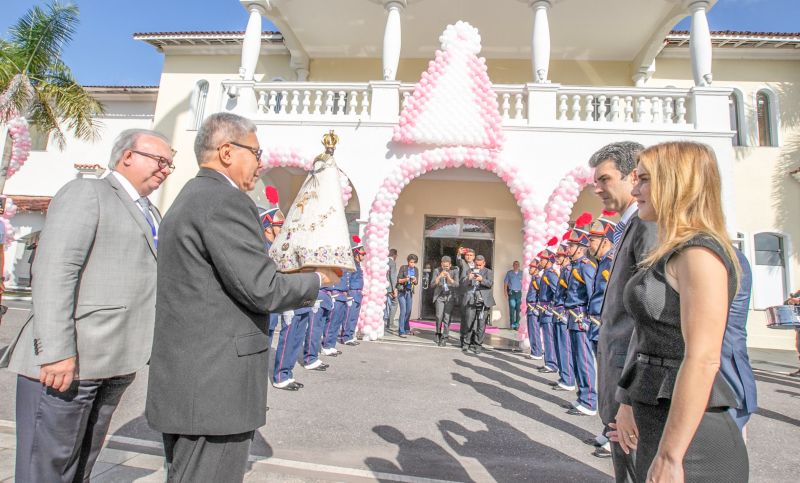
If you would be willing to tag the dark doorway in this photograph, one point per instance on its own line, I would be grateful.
(444, 236)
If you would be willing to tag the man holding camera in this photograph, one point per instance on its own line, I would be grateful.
(478, 301)
(445, 286)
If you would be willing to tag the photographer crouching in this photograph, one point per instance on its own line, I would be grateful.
(478, 300)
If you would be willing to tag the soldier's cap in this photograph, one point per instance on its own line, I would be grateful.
(547, 254)
(603, 227)
(534, 263)
(357, 246)
(579, 236)
(271, 217)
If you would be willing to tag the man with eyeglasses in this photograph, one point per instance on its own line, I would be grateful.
(207, 389)
(91, 328)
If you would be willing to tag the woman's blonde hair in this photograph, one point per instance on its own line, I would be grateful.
(685, 191)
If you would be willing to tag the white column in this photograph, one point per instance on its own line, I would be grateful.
(392, 38)
(700, 44)
(540, 41)
(251, 46)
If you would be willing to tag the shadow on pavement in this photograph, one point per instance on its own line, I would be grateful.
(520, 406)
(419, 457)
(777, 417)
(528, 461)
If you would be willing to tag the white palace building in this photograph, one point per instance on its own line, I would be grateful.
(460, 156)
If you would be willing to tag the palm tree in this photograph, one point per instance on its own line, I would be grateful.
(37, 83)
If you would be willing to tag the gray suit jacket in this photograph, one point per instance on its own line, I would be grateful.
(94, 281)
(438, 289)
(216, 287)
(391, 276)
(617, 325)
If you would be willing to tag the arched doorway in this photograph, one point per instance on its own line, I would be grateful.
(439, 212)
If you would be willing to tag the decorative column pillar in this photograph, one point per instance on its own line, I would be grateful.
(540, 41)
(251, 46)
(700, 44)
(392, 38)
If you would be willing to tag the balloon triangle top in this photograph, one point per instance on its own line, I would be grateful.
(453, 104)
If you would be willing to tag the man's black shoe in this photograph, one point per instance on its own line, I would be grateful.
(591, 442)
(601, 453)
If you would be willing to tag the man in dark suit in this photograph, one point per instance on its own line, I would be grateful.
(91, 327)
(445, 293)
(216, 286)
(633, 240)
(479, 300)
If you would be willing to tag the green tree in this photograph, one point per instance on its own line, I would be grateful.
(37, 83)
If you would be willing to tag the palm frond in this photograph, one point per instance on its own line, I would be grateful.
(71, 102)
(41, 35)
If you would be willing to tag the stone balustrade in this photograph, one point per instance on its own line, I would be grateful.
(533, 105)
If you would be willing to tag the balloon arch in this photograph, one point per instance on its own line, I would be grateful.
(539, 223)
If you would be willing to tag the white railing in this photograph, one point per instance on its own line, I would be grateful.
(550, 105)
(632, 105)
(305, 99)
(512, 101)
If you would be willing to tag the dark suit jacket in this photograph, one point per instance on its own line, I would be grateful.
(484, 287)
(617, 325)
(735, 363)
(216, 286)
(438, 289)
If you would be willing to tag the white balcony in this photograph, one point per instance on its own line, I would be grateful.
(529, 106)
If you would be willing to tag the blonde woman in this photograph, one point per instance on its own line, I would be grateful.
(679, 300)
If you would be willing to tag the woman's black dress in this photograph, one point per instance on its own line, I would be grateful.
(717, 451)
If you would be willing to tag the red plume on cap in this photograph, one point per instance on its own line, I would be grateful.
(566, 235)
(583, 220)
(553, 241)
(608, 213)
(272, 194)
(356, 239)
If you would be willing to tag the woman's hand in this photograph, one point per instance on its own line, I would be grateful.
(665, 470)
(624, 431)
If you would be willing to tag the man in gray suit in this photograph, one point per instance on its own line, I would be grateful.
(391, 290)
(633, 239)
(207, 390)
(91, 327)
(445, 293)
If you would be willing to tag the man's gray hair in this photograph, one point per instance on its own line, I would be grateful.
(447, 259)
(127, 140)
(624, 154)
(220, 128)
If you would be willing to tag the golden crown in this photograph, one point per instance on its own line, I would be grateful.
(329, 140)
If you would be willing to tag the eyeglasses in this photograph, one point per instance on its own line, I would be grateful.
(256, 152)
(161, 160)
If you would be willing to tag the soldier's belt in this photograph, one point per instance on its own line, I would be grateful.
(578, 317)
(594, 320)
(559, 316)
(540, 308)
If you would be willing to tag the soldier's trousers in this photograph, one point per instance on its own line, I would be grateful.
(549, 340)
(290, 342)
(313, 337)
(534, 334)
(566, 374)
(337, 317)
(585, 371)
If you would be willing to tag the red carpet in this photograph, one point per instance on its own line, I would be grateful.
(431, 325)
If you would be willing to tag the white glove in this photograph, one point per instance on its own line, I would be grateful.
(349, 301)
(316, 306)
(287, 317)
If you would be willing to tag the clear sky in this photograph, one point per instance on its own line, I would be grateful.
(103, 51)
